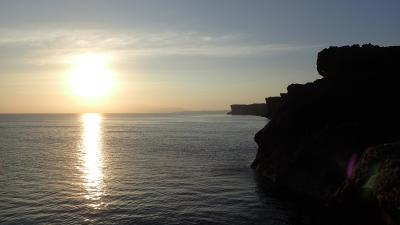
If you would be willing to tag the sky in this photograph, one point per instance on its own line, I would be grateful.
(170, 55)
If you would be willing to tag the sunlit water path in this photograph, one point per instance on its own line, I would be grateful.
(132, 169)
(92, 158)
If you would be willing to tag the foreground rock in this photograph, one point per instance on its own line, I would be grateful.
(273, 106)
(374, 184)
(312, 144)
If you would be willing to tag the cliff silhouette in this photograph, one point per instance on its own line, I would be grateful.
(256, 109)
(267, 109)
(336, 140)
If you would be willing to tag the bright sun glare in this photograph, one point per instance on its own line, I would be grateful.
(90, 76)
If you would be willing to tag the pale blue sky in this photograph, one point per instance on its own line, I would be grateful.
(177, 55)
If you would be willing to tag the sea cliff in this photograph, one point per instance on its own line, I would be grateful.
(256, 109)
(267, 109)
(334, 140)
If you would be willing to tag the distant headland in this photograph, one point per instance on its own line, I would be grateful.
(267, 109)
(337, 140)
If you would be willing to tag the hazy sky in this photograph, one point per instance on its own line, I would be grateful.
(176, 55)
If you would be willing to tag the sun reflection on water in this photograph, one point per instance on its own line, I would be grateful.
(92, 159)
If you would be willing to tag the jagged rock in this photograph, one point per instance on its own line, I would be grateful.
(356, 61)
(320, 126)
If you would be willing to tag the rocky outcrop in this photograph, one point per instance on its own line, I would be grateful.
(322, 127)
(353, 61)
(273, 106)
(268, 109)
(257, 109)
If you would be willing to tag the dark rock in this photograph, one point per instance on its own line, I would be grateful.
(257, 109)
(321, 126)
(375, 184)
(269, 109)
(273, 106)
(352, 61)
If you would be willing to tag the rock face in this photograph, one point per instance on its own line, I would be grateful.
(351, 61)
(268, 109)
(375, 183)
(312, 143)
(257, 109)
(273, 106)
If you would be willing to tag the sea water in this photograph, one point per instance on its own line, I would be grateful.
(178, 168)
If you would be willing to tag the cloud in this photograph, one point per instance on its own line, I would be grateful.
(46, 47)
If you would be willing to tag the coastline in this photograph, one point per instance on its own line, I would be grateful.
(329, 141)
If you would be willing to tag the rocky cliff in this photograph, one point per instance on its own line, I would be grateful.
(273, 106)
(256, 109)
(268, 109)
(313, 143)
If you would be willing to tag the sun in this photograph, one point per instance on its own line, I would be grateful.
(90, 76)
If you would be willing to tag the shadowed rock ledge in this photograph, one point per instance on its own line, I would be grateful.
(315, 145)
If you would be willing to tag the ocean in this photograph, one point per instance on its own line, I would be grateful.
(178, 168)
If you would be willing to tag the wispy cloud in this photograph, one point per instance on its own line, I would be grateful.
(44, 46)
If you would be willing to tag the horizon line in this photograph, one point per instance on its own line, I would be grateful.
(70, 113)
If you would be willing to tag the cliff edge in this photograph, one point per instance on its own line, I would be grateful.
(256, 109)
(318, 144)
(268, 109)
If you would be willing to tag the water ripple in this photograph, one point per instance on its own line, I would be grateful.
(124, 169)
